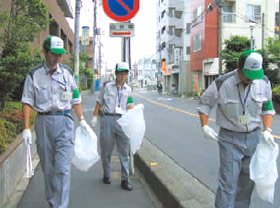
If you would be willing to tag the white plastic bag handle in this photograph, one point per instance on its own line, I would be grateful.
(29, 167)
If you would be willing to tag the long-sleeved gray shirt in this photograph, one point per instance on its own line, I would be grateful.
(230, 95)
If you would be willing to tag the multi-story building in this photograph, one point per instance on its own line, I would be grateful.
(146, 72)
(185, 74)
(237, 17)
(57, 11)
(170, 29)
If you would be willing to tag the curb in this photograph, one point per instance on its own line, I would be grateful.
(173, 185)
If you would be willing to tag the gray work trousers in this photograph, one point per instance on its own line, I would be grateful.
(234, 184)
(55, 146)
(110, 132)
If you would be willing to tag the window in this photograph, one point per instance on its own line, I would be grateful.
(197, 43)
(162, 29)
(53, 27)
(178, 32)
(188, 50)
(171, 30)
(178, 14)
(70, 48)
(197, 15)
(254, 12)
(171, 12)
(163, 45)
(188, 28)
(162, 14)
(228, 15)
(170, 48)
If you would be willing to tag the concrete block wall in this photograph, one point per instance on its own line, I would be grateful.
(12, 169)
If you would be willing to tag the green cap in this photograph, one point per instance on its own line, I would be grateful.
(54, 44)
(251, 64)
(122, 66)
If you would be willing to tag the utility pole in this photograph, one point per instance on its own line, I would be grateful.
(129, 59)
(262, 30)
(94, 42)
(251, 26)
(160, 61)
(77, 42)
(219, 3)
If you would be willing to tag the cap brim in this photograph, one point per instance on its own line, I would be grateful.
(58, 50)
(253, 74)
(121, 69)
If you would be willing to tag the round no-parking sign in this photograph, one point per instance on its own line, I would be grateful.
(121, 10)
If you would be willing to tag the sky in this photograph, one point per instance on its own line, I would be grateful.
(143, 44)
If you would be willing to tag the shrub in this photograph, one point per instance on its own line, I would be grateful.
(8, 133)
(276, 93)
(11, 123)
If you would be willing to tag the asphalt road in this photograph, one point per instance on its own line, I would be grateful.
(173, 126)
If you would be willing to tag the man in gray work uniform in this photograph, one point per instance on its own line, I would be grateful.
(114, 100)
(50, 89)
(244, 103)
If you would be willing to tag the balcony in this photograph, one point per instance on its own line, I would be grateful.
(173, 21)
(65, 6)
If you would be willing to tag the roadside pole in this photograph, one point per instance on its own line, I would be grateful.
(94, 43)
(77, 42)
(220, 41)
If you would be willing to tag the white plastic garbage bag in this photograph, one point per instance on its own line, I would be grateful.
(85, 149)
(29, 172)
(133, 125)
(263, 169)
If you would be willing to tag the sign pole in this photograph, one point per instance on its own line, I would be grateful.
(77, 44)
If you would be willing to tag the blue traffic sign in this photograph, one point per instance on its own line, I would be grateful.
(121, 10)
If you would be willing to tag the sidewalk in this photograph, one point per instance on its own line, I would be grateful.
(170, 184)
(87, 188)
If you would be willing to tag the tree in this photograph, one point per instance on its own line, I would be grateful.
(83, 70)
(18, 28)
(271, 59)
(234, 46)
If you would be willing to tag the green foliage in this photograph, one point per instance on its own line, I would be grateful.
(276, 93)
(271, 55)
(89, 74)
(234, 46)
(11, 123)
(83, 59)
(17, 31)
(7, 130)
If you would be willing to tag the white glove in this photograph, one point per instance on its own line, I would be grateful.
(84, 124)
(268, 136)
(26, 136)
(209, 133)
(93, 121)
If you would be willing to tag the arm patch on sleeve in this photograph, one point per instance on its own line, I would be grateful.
(76, 93)
(267, 106)
(130, 100)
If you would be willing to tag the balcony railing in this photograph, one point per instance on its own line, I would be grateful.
(255, 18)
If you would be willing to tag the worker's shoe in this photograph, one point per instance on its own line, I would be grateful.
(106, 180)
(126, 185)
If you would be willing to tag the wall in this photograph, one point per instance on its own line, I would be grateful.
(12, 169)
(63, 26)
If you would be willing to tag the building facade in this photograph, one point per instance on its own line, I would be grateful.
(144, 72)
(189, 33)
(170, 29)
(237, 18)
(58, 10)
